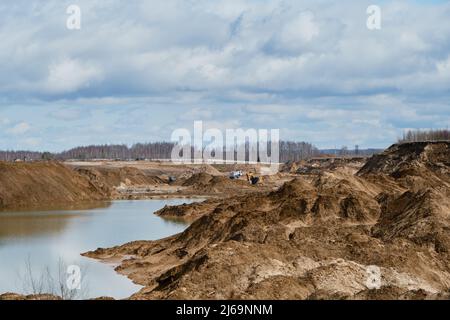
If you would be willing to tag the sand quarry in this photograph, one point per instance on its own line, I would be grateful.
(316, 230)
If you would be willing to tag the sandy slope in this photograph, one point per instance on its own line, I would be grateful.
(45, 184)
(314, 238)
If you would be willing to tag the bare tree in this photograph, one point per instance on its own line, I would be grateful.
(344, 151)
(289, 151)
(46, 281)
(425, 135)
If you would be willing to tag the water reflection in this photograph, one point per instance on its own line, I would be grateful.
(46, 221)
(45, 237)
(86, 205)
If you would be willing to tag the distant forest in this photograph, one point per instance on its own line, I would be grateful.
(425, 135)
(289, 151)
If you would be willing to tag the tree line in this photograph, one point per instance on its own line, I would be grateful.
(289, 151)
(425, 135)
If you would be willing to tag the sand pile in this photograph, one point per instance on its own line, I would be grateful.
(198, 179)
(413, 165)
(422, 217)
(318, 165)
(14, 296)
(205, 183)
(45, 184)
(114, 177)
(198, 169)
(315, 239)
(188, 212)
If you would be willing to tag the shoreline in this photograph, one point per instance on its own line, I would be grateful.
(311, 234)
(313, 238)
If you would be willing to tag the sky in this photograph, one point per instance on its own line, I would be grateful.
(137, 70)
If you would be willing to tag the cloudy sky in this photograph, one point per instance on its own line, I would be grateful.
(137, 70)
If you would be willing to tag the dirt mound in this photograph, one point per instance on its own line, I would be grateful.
(188, 212)
(14, 296)
(199, 169)
(318, 165)
(311, 239)
(329, 197)
(294, 188)
(206, 168)
(198, 179)
(411, 159)
(205, 183)
(114, 177)
(45, 184)
(422, 217)
(344, 182)
(434, 155)
(292, 166)
(219, 183)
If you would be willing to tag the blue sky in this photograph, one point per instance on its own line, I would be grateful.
(137, 70)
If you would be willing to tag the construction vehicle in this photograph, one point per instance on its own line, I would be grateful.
(252, 179)
(172, 179)
(235, 174)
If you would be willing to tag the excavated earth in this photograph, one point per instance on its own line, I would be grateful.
(151, 180)
(52, 184)
(24, 185)
(318, 236)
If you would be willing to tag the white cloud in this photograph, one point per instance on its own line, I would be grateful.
(32, 142)
(69, 114)
(299, 31)
(443, 67)
(310, 67)
(165, 46)
(4, 121)
(70, 75)
(20, 128)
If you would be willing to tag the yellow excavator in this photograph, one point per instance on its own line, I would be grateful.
(253, 179)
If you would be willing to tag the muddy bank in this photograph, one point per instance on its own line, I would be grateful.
(318, 165)
(46, 297)
(115, 177)
(59, 185)
(138, 181)
(15, 296)
(189, 212)
(44, 184)
(313, 238)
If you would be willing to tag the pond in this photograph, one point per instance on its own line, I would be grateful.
(37, 247)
